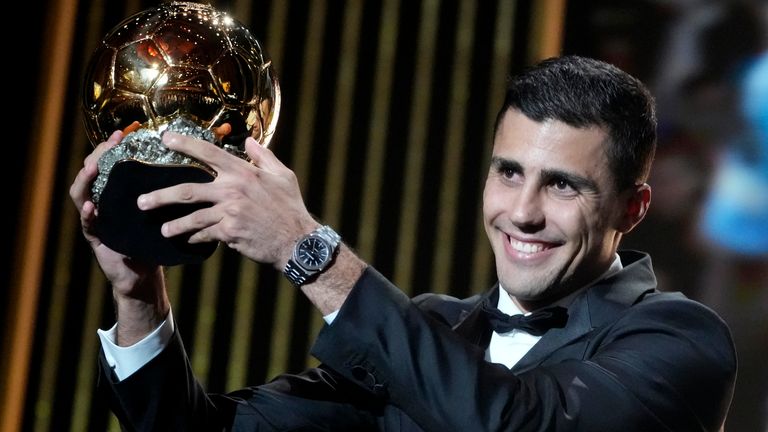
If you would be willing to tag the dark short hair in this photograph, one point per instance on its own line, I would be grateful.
(583, 92)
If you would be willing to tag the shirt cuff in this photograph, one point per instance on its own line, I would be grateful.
(124, 361)
(331, 316)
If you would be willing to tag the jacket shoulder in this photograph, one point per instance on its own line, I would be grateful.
(444, 308)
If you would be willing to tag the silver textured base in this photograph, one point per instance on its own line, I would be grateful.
(145, 145)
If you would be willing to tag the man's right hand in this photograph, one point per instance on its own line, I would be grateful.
(139, 289)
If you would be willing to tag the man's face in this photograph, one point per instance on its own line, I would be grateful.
(551, 210)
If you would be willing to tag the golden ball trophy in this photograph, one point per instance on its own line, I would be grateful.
(181, 67)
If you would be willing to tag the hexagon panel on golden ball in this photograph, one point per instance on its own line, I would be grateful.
(182, 67)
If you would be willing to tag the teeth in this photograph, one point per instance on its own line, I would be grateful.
(524, 247)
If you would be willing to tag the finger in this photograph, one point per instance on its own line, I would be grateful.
(216, 157)
(262, 157)
(87, 216)
(195, 221)
(115, 138)
(202, 236)
(80, 191)
(185, 193)
(87, 219)
(112, 141)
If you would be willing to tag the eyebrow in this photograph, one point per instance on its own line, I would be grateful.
(506, 164)
(578, 182)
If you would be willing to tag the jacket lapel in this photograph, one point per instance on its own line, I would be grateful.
(598, 305)
(472, 325)
(579, 324)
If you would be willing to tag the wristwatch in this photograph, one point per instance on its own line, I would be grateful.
(312, 255)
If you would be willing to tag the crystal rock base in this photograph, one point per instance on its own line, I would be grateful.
(141, 164)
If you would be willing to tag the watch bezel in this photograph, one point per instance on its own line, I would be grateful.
(297, 270)
(301, 261)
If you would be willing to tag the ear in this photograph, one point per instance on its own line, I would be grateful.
(637, 200)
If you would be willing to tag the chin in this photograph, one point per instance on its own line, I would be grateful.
(524, 293)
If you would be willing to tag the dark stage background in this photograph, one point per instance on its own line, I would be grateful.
(386, 117)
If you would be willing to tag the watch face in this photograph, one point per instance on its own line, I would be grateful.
(313, 253)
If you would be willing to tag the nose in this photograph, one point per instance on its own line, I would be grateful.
(526, 211)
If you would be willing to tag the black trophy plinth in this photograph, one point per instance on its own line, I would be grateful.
(124, 228)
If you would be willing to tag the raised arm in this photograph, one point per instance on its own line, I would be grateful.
(138, 289)
(257, 210)
(664, 365)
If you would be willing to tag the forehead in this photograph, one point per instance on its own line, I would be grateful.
(551, 144)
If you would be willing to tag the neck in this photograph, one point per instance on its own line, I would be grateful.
(527, 305)
(564, 297)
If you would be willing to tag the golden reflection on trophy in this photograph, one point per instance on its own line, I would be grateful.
(182, 67)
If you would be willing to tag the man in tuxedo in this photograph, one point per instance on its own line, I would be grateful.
(574, 337)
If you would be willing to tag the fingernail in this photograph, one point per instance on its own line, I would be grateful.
(141, 201)
(169, 138)
(164, 229)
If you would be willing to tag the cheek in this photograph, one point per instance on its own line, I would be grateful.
(594, 223)
(576, 218)
(492, 201)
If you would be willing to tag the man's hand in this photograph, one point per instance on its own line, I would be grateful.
(257, 208)
(138, 288)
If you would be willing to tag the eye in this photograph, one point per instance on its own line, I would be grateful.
(510, 175)
(563, 187)
(508, 172)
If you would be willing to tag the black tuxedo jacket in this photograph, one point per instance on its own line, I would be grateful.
(629, 359)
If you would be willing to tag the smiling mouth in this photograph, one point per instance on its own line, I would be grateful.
(528, 247)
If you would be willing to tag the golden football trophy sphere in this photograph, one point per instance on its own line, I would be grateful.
(182, 67)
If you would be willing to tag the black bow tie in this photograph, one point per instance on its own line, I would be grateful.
(536, 323)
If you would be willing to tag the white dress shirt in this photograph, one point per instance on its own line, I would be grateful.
(124, 361)
(507, 348)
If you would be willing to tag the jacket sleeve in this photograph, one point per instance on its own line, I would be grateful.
(164, 395)
(653, 371)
